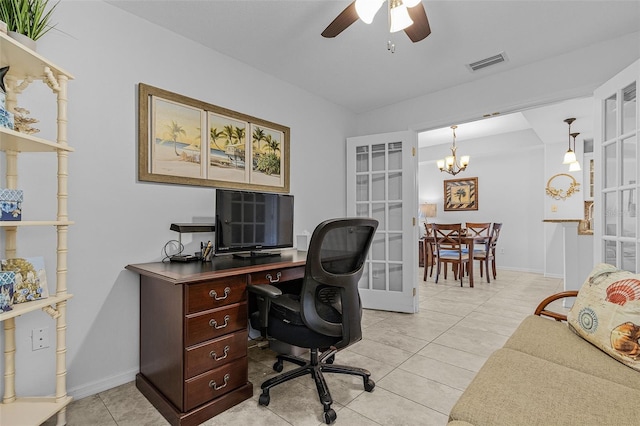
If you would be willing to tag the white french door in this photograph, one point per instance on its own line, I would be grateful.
(381, 183)
(616, 155)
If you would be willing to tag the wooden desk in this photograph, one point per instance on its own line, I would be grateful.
(469, 241)
(193, 331)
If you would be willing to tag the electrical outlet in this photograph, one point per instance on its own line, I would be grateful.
(39, 338)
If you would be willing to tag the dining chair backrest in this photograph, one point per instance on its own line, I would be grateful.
(478, 229)
(448, 237)
(495, 233)
(428, 227)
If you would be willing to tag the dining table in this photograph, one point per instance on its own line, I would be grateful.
(467, 239)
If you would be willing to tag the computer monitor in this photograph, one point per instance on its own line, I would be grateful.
(252, 222)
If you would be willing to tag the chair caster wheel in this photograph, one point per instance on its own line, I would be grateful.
(331, 359)
(264, 399)
(330, 416)
(369, 385)
(278, 366)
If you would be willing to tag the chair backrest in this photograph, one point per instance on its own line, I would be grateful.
(335, 262)
(478, 229)
(495, 233)
(448, 237)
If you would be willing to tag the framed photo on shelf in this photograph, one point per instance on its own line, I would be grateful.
(186, 141)
(461, 194)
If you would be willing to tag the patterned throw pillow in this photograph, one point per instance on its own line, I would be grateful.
(606, 313)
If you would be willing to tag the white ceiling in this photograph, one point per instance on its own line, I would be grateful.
(355, 69)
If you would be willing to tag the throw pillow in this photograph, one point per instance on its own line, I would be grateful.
(606, 313)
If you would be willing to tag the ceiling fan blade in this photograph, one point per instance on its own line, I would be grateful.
(420, 28)
(342, 21)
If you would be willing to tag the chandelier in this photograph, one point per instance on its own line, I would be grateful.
(450, 163)
(570, 155)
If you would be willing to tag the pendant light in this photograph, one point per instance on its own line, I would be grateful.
(570, 155)
(450, 163)
(574, 166)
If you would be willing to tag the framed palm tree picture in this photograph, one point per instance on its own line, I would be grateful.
(461, 194)
(190, 142)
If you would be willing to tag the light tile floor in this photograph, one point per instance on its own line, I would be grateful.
(420, 362)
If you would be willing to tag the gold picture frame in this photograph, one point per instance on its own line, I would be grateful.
(240, 152)
(461, 194)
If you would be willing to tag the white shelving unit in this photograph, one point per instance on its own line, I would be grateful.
(27, 66)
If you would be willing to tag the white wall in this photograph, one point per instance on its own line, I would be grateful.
(119, 220)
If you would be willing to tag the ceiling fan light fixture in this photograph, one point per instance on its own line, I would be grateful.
(399, 16)
(367, 9)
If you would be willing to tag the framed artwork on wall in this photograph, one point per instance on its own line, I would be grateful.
(185, 141)
(461, 194)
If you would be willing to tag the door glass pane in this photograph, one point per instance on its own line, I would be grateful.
(377, 247)
(395, 277)
(364, 279)
(610, 129)
(395, 156)
(362, 188)
(628, 213)
(378, 157)
(395, 186)
(610, 164)
(610, 252)
(378, 211)
(362, 210)
(629, 163)
(395, 216)
(629, 256)
(362, 159)
(378, 191)
(395, 247)
(379, 281)
(591, 179)
(629, 108)
(610, 213)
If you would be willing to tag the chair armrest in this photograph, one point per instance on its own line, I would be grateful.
(265, 290)
(542, 311)
(264, 294)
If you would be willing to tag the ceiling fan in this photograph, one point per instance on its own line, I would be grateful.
(407, 15)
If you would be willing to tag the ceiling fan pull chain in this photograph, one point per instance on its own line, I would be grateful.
(391, 47)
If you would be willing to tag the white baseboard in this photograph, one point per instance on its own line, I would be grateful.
(102, 385)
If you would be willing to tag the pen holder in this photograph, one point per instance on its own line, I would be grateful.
(206, 252)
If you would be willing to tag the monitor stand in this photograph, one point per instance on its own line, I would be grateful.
(255, 254)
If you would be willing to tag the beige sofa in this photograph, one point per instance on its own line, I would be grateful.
(547, 375)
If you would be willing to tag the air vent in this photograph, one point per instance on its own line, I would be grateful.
(487, 62)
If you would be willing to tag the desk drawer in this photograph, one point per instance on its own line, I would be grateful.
(215, 353)
(277, 275)
(216, 293)
(215, 323)
(215, 383)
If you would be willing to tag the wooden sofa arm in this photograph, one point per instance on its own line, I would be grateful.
(542, 311)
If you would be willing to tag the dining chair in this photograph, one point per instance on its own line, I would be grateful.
(428, 251)
(478, 229)
(488, 252)
(448, 242)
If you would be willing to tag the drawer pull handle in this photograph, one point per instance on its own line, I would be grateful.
(213, 385)
(215, 325)
(271, 280)
(214, 295)
(215, 356)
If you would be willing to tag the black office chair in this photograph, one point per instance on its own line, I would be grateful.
(325, 315)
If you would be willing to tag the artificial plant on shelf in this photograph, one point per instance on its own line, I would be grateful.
(31, 18)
